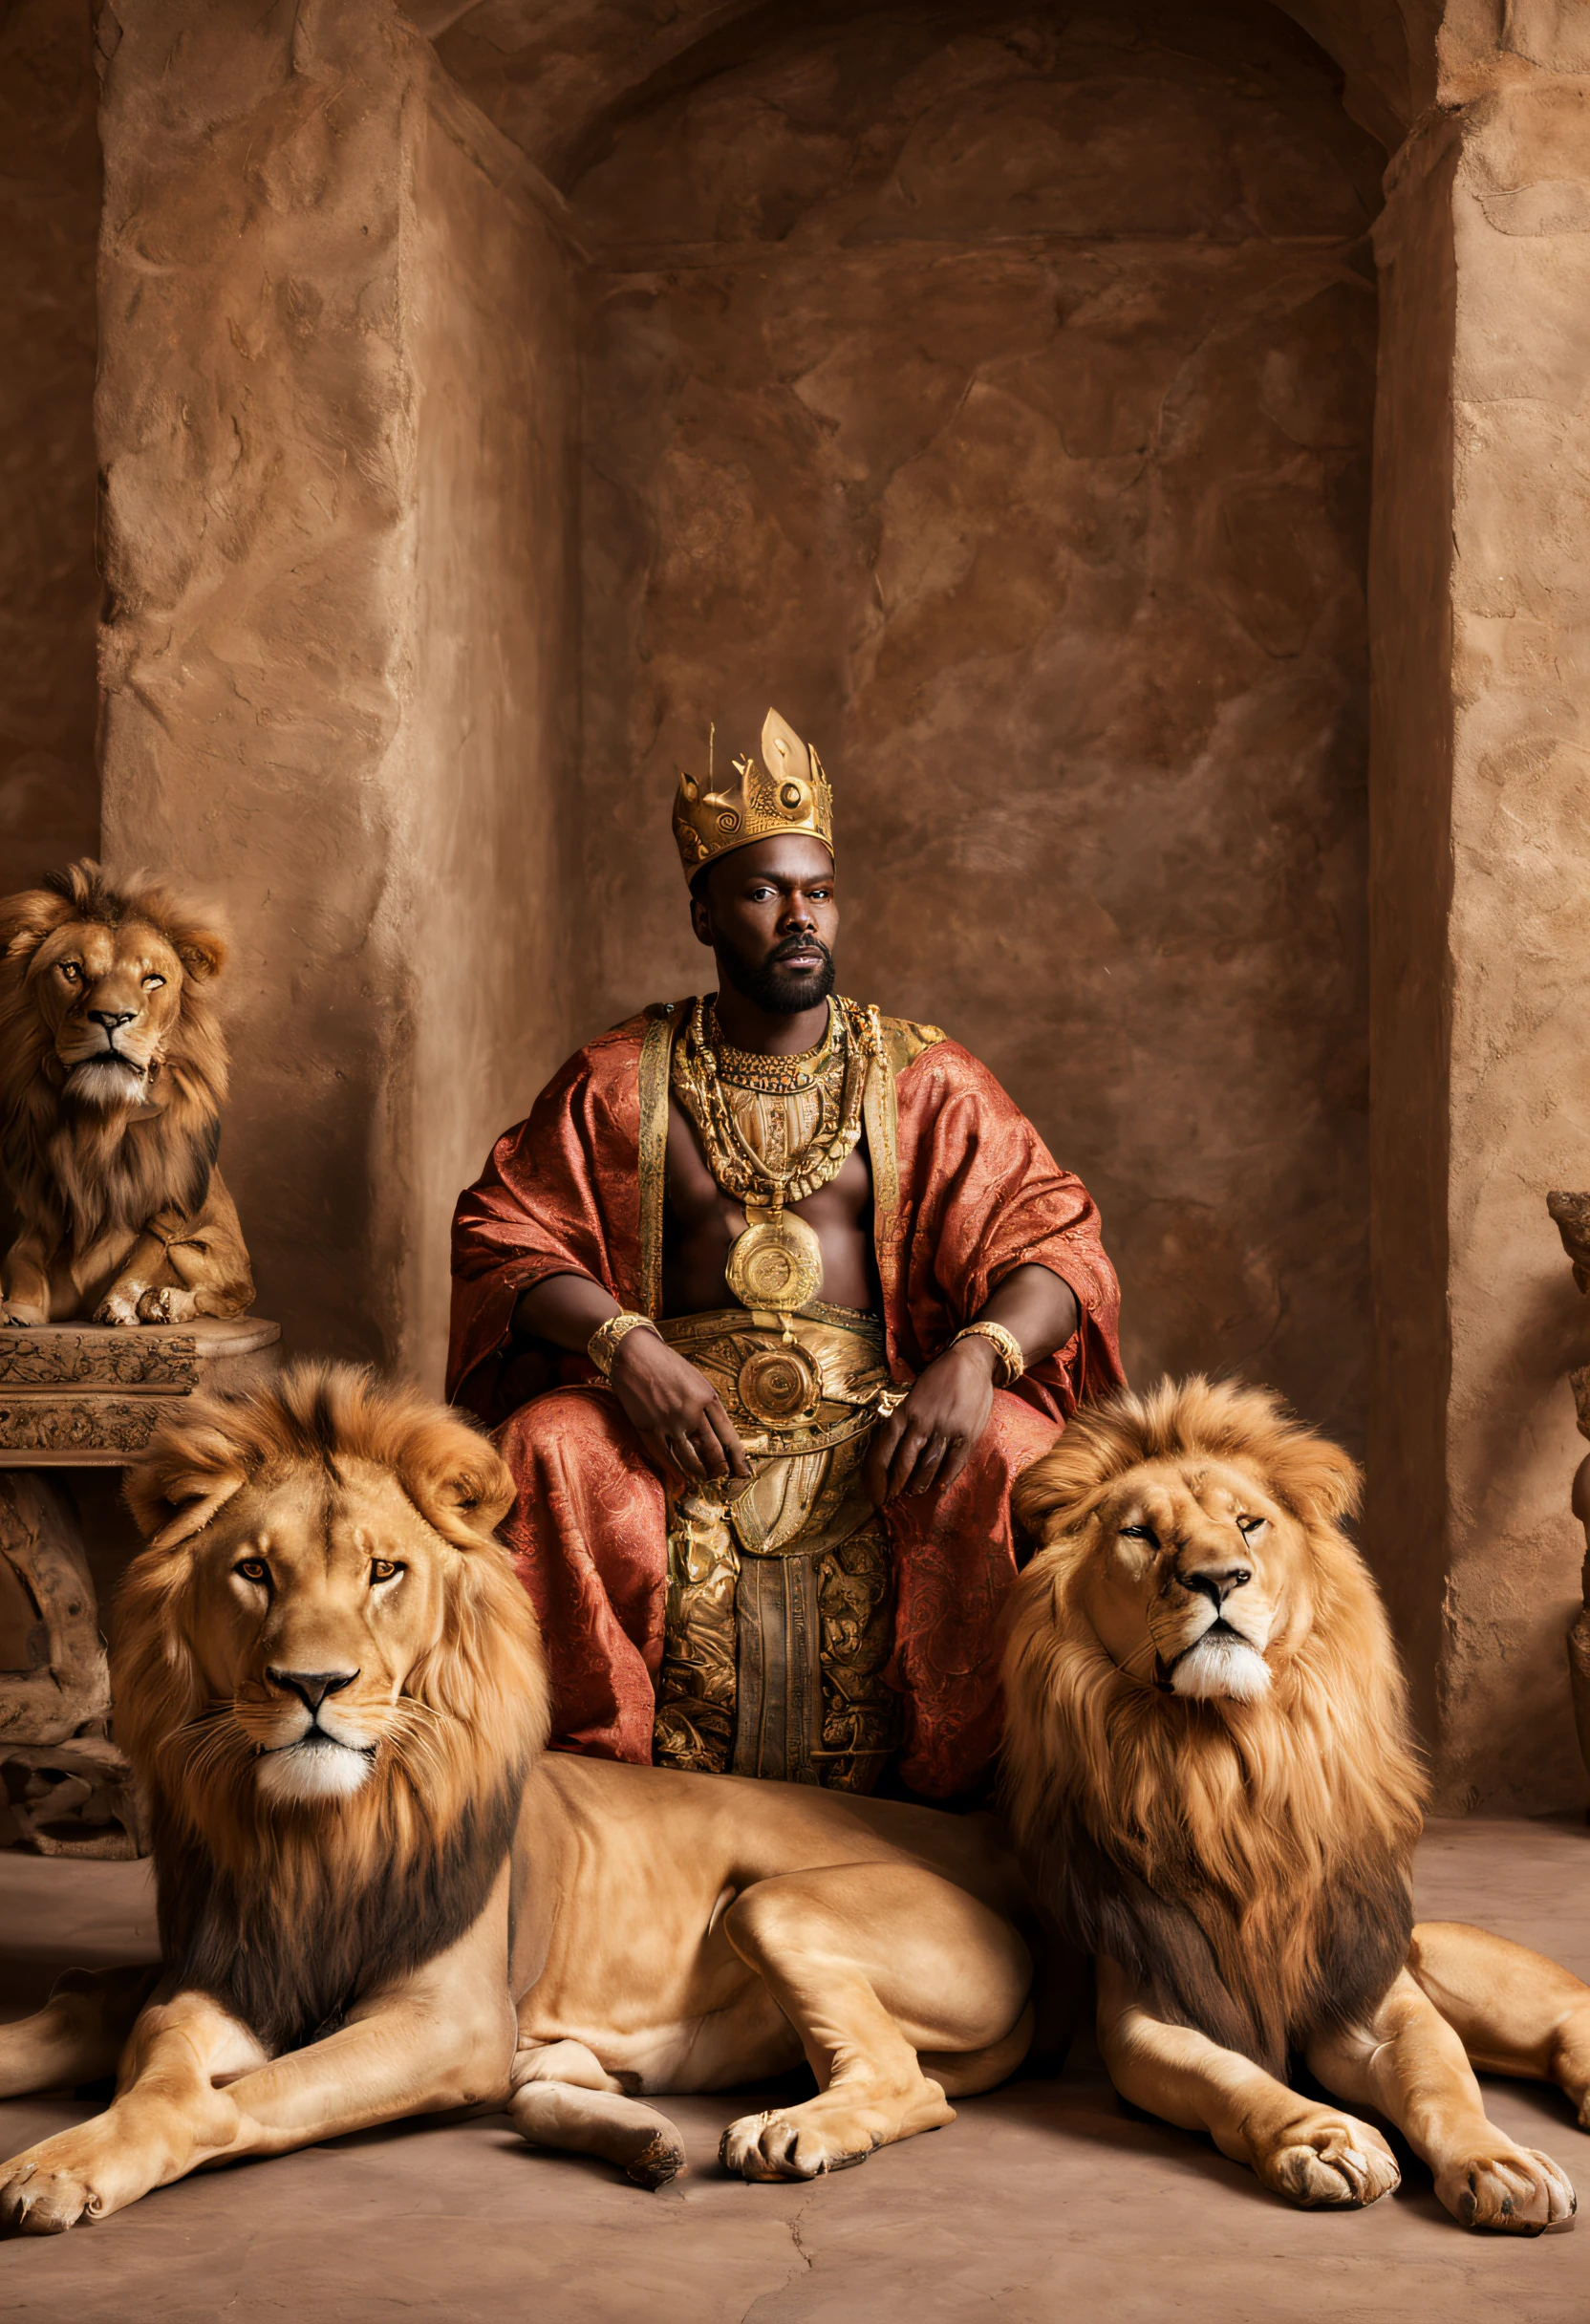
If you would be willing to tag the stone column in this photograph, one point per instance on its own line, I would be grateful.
(336, 426)
(1480, 615)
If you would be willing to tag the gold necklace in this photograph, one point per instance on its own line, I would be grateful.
(785, 1076)
(777, 1263)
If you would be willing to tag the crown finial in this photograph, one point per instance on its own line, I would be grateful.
(787, 792)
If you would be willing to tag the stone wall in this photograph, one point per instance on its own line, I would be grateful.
(993, 393)
(49, 587)
(334, 320)
(1510, 215)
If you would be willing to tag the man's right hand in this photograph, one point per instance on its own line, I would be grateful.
(676, 1409)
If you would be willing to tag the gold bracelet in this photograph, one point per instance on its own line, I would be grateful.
(603, 1343)
(1006, 1347)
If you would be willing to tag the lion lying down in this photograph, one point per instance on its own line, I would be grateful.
(380, 1897)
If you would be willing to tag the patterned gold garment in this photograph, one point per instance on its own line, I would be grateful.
(779, 1616)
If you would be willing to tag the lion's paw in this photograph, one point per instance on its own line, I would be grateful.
(166, 1305)
(1332, 2162)
(116, 1308)
(780, 2145)
(1507, 2190)
(20, 1319)
(38, 2198)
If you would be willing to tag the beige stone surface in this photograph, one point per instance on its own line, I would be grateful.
(49, 587)
(1480, 592)
(1520, 1103)
(1045, 2199)
(996, 399)
(333, 416)
(989, 385)
(557, 75)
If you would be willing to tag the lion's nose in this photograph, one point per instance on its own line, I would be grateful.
(111, 1019)
(311, 1687)
(1215, 1583)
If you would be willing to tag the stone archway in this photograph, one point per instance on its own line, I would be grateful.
(339, 305)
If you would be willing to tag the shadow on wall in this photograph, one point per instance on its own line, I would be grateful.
(49, 584)
(992, 390)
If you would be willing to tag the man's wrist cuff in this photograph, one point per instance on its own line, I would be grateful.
(1011, 1362)
(604, 1342)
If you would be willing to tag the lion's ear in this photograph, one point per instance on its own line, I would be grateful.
(175, 1490)
(26, 918)
(202, 953)
(458, 1482)
(1318, 1480)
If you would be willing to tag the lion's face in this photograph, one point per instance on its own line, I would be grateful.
(309, 1607)
(1194, 1576)
(323, 1613)
(109, 997)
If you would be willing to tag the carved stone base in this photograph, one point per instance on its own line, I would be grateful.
(90, 1395)
(1579, 1677)
(1578, 1629)
(54, 1675)
(69, 1799)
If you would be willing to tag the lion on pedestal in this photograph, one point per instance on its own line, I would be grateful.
(380, 1897)
(112, 1072)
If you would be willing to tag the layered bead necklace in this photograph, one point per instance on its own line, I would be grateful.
(777, 1262)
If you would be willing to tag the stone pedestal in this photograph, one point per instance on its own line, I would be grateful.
(80, 1396)
(89, 1396)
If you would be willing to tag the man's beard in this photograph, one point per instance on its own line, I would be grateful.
(778, 991)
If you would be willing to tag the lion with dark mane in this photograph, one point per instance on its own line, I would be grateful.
(112, 1072)
(380, 1896)
(1214, 1790)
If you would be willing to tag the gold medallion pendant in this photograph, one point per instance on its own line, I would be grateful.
(776, 1264)
(774, 1130)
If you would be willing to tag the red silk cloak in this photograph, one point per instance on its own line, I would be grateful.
(964, 1191)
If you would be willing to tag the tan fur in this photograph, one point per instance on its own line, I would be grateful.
(468, 1922)
(122, 1214)
(1247, 1810)
(1211, 1782)
(455, 1714)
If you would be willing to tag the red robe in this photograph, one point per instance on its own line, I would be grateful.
(964, 1191)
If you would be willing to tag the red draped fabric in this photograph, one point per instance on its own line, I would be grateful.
(968, 1192)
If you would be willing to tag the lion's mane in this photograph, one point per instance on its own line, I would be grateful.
(73, 1170)
(1246, 1862)
(289, 1915)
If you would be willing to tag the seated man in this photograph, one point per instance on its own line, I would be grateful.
(825, 1294)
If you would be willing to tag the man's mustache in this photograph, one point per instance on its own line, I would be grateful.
(791, 945)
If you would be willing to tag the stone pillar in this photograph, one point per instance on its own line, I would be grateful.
(336, 426)
(1480, 1093)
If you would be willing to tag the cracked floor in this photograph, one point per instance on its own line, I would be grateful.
(1044, 2201)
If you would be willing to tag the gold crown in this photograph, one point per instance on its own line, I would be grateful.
(788, 792)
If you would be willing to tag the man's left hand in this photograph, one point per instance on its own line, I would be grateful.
(928, 1440)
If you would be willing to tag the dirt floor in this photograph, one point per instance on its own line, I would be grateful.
(1044, 2201)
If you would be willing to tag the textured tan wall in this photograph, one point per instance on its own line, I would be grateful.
(489, 849)
(1410, 896)
(49, 587)
(1520, 977)
(994, 397)
(321, 704)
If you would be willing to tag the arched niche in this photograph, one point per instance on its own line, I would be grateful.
(992, 389)
(557, 73)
